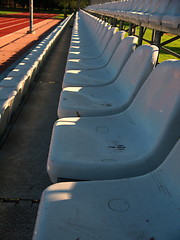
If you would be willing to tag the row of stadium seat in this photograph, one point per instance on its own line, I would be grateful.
(15, 85)
(138, 142)
(161, 12)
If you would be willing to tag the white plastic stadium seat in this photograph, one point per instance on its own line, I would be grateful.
(171, 19)
(7, 96)
(112, 98)
(141, 7)
(145, 207)
(93, 50)
(95, 63)
(156, 16)
(17, 84)
(90, 36)
(154, 4)
(123, 11)
(127, 144)
(106, 75)
(135, 7)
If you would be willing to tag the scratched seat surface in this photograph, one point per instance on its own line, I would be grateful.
(122, 145)
(145, 207)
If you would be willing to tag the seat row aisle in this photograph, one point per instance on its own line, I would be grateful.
(118, 126)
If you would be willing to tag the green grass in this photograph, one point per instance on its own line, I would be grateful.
(173, 46)
(7, 12)
(60, 16)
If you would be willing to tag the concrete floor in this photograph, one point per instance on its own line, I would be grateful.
(23, 153)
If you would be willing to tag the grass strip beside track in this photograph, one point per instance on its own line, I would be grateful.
(60, 16)
(8, 12)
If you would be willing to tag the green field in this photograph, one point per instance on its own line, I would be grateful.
(173, 46)
(8, 12)
(60, 16)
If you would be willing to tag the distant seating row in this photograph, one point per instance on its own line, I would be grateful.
(15, 85)
(115, 90)
(161, 12)
(126, 127)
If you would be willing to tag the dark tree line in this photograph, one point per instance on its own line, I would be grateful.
(45, 4)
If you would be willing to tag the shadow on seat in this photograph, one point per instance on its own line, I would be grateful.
(145, 207)
(112, 98)
(127, 144)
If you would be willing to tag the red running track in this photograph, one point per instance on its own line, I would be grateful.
(15, 22)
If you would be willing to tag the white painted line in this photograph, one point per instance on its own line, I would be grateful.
(13, 25)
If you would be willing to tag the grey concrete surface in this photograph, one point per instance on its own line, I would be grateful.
(23, 153)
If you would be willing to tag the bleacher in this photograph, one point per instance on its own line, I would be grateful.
(16, 84)
(114, 152)
(163, 15)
